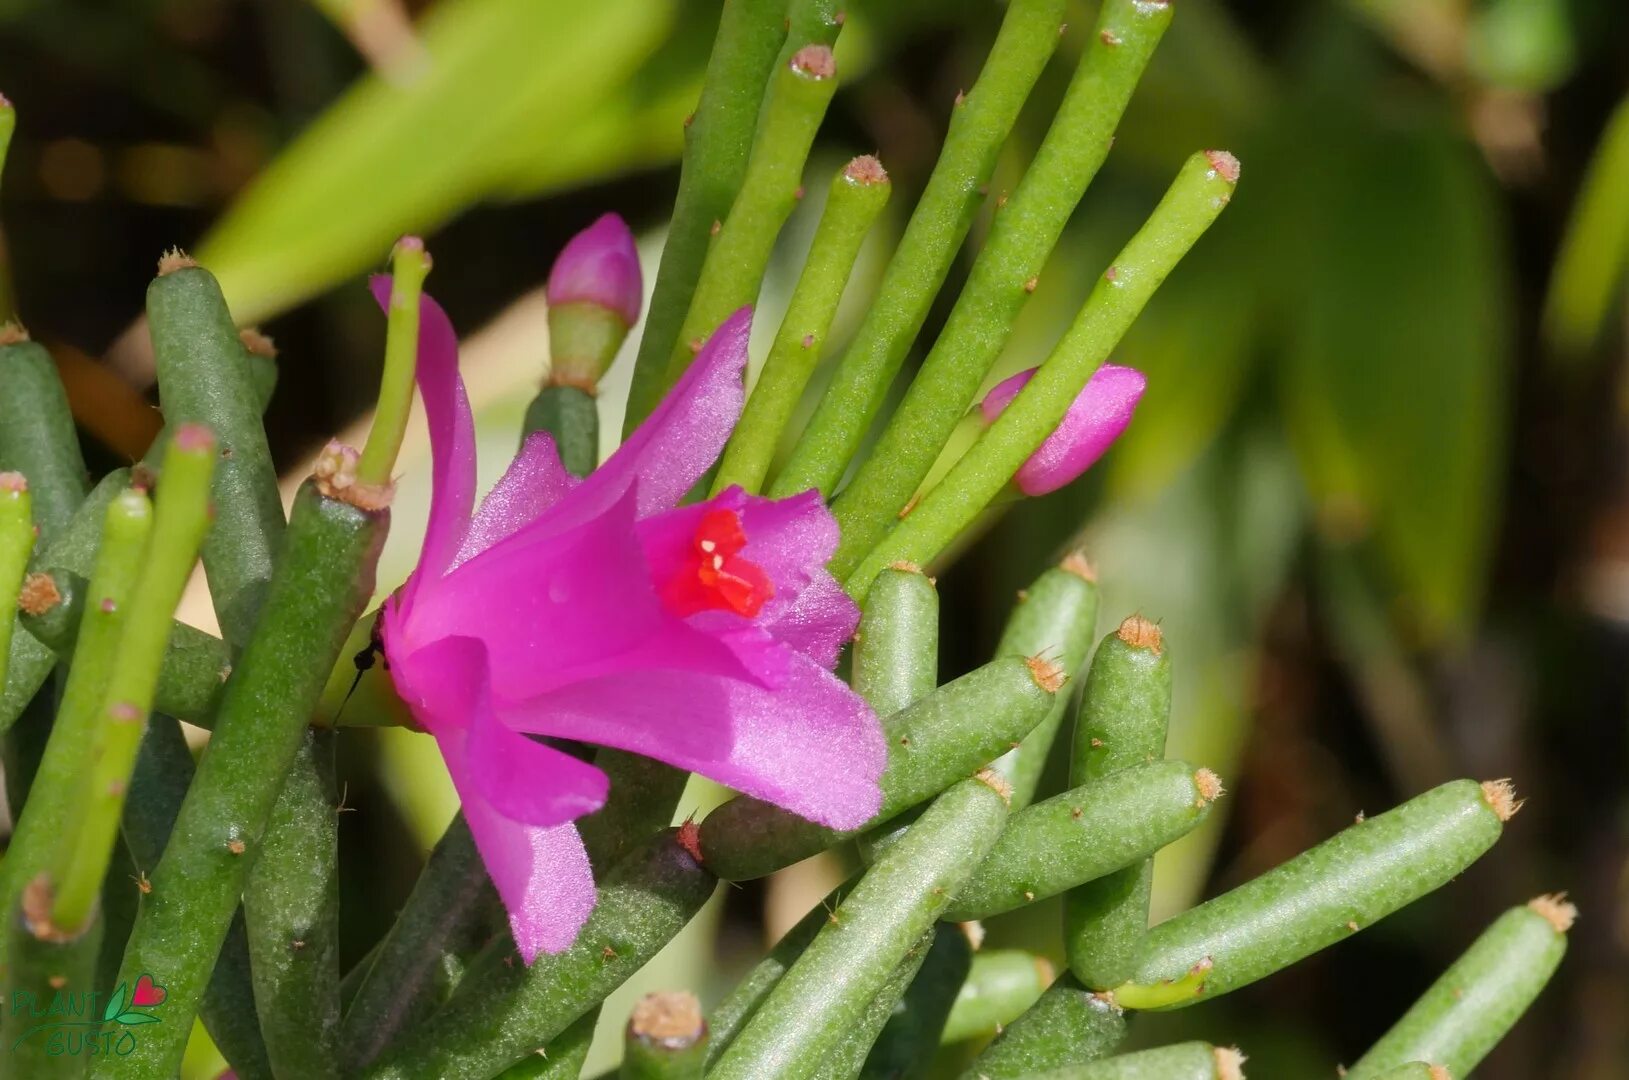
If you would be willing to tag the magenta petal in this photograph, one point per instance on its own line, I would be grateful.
(600, 265)
(680, 440)
(532, 484)
(554, 607)
(1098, 415)
(452, 436)
(542, 875)
(524, 780)
(810, 745)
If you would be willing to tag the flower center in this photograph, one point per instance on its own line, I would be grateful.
(718, 578)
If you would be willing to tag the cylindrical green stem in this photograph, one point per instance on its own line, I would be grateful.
(857, 195)
(896, 651)
(851, 957)
(504, 1010)
(908, 1041)
(37, 436)
(291, 910)
(665, 1039)
(409, 265)
(1086, 832)
(16, 545)
(324, 577)
(1055, 617)
(195, 667)
(847, 1059)
(1124, 711)
(563, 1058)
(1321, 896)
(794, 105)
(164, 772)
(202, 378)
(1417, 1070)
(1068, 1026)
(1184, 1061)
(949, 734)
(1000, 986)
(51, 971)
(1008, 267)
(1195, 198)
(44, 831)
(572, 416)
(453, 896)
(734, 1011)
(979, 124)
(1462, 1017)
(717, 143)
(180, 521)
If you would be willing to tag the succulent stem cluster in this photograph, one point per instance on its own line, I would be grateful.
(236, 858)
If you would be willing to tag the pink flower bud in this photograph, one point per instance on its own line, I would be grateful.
(594, 296)
(1098, 416)
(599, 266)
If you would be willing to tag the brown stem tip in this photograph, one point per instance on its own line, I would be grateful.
(689, 838)
(1501, 797)
(39, 594)
(38, 898)
(257, 343)
(670, 1020)
(1555, 910)
(866, 169)
(1047, 675)
(1078, 564)
(1439, 1072)
(814, 61)
(1225, 164)
(1140, 633)
(973, 931)
(1045, 973)
(1229, 1063)
(12, 332)
(173, 260)
(335, 474)
(996, 783)
(905, 567)
(1209, 786)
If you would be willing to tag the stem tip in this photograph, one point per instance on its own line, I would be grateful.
(1555, 910)
(671, 1020)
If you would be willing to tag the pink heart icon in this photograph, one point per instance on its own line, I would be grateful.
(147, 992)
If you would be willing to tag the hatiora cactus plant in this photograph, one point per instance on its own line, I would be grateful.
(591, 633)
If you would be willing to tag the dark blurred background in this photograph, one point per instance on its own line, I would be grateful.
(1377, 492)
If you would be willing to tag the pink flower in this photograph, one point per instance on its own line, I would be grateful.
(598, 611)
(599, 266)
(1099, 414)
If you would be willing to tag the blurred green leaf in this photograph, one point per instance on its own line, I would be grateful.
(1590, 266)
(1391, 262)
(1522, 45)
(385, 159)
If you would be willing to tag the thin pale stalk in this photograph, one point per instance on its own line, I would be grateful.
(1022, 235)
(733, 271)
(1194, 200)
(409, 266)
(180, 520)
(857, 195)
(717, 143)
(979, 125)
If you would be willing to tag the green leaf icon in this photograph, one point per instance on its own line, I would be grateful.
(134, 1018)
(115, 1004)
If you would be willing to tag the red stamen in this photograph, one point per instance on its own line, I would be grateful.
(722, 580)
